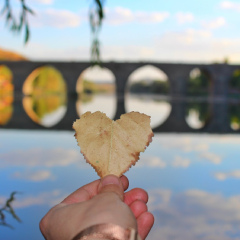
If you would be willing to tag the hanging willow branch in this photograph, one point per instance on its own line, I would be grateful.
(96, 16)
(7, 208)
(14, 25)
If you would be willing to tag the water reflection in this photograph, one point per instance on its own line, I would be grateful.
(147, 91)
(197, 114)
(45, 110)
(234, 112)
(6, 95)
(97, 102)
(46, 96)
(156, 107)
(195, 214)
(96, 91)
(192, 181)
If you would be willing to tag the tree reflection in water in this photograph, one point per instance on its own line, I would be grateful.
(148, 91)
(197, 114)
(96, 91)
(234, 112)
(7, 208)
(6, 95)
(45, 96)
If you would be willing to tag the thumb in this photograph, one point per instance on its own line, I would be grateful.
(111, 183)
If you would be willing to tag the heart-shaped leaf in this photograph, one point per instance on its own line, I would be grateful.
(112, 147)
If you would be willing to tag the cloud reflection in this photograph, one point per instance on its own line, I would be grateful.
(221, 176)
(181, 162)
(40, 157)
(45, 198)
(212, 157)
(35, 176)
(151, 161)
(194, 214)
(199, 147)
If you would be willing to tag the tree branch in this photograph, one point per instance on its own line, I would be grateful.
(13, 25)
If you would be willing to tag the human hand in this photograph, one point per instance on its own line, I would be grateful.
(101, 201)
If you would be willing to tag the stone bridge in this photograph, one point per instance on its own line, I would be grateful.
(178, 75)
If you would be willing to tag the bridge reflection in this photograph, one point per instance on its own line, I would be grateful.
(176, 118)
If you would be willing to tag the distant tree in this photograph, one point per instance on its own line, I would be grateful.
(235, 80)
(96, 16)
(234, 112)
(198, 83)
(150, 87)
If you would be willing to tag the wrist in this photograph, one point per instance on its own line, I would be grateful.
(107, 231)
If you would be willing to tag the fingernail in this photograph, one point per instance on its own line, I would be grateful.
(110, 179)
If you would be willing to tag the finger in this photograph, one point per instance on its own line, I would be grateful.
(88, 191)
(84, 193)
(125, 182)
(138, 207)
(112, 184)
(145, 222)
(135, 194)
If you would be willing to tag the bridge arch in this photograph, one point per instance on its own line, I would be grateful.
(147, 91)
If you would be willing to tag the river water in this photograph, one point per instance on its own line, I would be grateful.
(192, 178)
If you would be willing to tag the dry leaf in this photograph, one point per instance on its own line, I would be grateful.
(112, 147)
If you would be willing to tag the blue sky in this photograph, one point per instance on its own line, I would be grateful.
(166, 31)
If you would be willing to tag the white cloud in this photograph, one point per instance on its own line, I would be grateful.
(152, 17)
(46, 2)
(38, 51)
(35, 176)
(190, 45)
(193, 214)
(120, 15)
(181, 162)
(184, 17)
(190, 35)
(215, 23)
(221, 176)
(230, 5)
(194, 45)
(55, 18)
(134, 52)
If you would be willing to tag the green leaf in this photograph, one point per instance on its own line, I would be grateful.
(28, 9)
(26, 34)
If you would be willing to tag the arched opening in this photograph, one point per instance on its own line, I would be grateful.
(45, 99)
(147, 91)
(234, 84)
(96, 91)
(199, 87)
(6, 94)
(199, 83)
